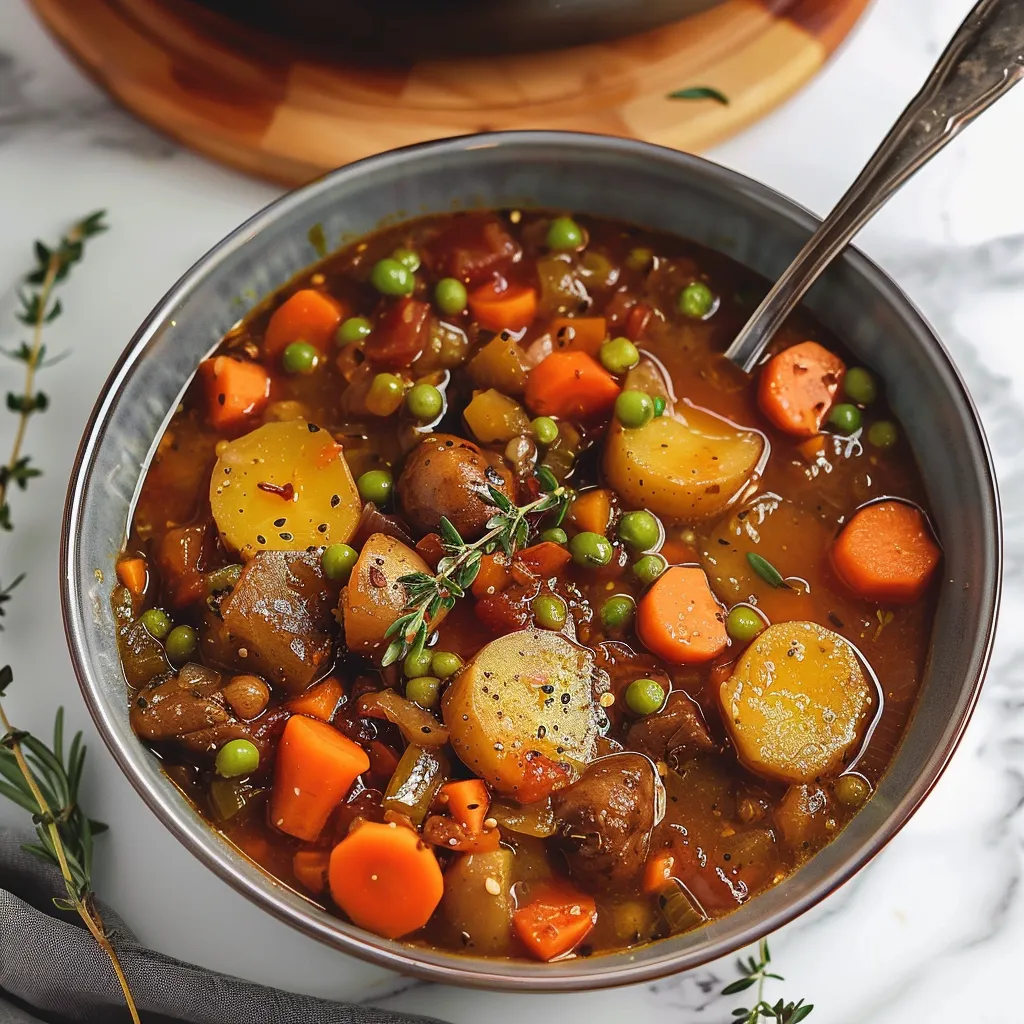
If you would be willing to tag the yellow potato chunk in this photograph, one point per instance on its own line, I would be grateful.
(524, 694)
(797, 703)
(686, 466)
(283, 487)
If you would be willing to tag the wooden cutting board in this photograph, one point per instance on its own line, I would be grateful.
(266, 107)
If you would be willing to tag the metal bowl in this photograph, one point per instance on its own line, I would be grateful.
(602, 176)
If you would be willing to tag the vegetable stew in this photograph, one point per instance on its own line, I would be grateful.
(474, 595)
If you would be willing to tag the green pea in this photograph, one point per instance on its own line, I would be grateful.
(845, 417)
(743, 623)
(545, 429)
(659, 405)
(390, 277)
(423, 690)
(634, 408)
(300, 357)
(157, 622)
(590, 549)
(384, 395)
(409, 258)
(337, 561)
(649, 568)
(375, 485)
(556, 535)
(180, 644)
(355, 328)
(619, 355)
(859, 386)
(618, 611)
(640, 530)
(645, 696)
(450, 296)
(417, 663)
(696, 300)
(851, 790)
(549, 611)
(237, 757)
(424, 402)
(883, 434)
(564, 235)
(639, 259)
(445, 664)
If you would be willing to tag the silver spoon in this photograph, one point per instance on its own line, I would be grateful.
(984, 60)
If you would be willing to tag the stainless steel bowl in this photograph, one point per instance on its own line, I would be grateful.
(604, 176)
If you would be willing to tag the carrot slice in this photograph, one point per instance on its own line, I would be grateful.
(134, 575)
(886, 553)
(555, 921)
(308, 316)
(580, 334)
(545, 559)
(316, 766)
(319, 701)
(468, 801)
(658, 870)
(500, 306)
(592, 510)
(680, 619)
(571, 385)
(235, 391)
(797, 387)
(310, 869)
(386, 879)
(493, 575)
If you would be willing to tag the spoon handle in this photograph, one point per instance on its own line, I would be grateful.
(982, 62)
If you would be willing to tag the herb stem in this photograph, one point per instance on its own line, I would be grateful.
(31, 363)
(82, 902)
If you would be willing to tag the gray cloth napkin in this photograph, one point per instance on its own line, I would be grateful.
(51, 969)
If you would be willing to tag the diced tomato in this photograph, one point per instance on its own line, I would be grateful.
(541, 778)
(473, 248)
(400, 335)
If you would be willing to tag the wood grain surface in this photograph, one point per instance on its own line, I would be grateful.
(264, 106)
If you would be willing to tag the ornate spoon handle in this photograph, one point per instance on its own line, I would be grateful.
(982, 62)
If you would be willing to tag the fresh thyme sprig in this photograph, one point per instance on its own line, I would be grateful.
(32, 775)
(755, 972)
(508, 530)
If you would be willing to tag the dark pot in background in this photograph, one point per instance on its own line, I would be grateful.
(404, 30)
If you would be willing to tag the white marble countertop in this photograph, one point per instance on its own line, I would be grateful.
(932, 929)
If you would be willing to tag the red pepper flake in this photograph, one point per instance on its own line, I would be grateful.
(285, 491)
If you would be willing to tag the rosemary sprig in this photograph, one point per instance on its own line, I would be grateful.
(767, 571)
(34, 776)
(755, 972)
(508, 530)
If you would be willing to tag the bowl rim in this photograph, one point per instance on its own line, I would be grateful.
(452, 968)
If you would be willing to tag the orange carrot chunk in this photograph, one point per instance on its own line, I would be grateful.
(467, 801)
(592, 510)
(133, 574)
(386, 879)
(319, 701)
(545, 559)
(571, 385)
(886, 553)
(555, 921)
(308, 316)
(310, 869)
(680, 619)
(500, 306)
(580, 334)
(493, 575)
(315, 767)
(235, 391)
(658, 870)
(797, 387)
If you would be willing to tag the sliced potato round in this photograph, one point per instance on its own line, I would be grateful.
(687, 466)
(797, 702)
(524, 693)
(283, 487)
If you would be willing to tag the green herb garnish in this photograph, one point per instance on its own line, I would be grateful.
(700, 92)
(767, 571)
(755, 972)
